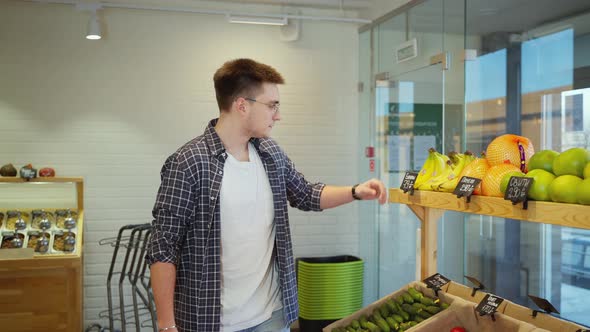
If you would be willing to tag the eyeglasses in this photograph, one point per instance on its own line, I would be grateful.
(274, 106)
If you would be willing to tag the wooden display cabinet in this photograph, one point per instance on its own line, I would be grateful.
(42, 292)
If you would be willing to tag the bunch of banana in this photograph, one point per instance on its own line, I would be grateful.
(459, 161)
(435, 164)
(447, 177)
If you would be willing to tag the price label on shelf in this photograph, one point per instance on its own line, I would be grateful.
(488, 305)
(408, 182)
(436, 281)
(518, 189)
(466, 186)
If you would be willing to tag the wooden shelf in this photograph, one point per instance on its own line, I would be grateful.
(40, 180)
(569, 215)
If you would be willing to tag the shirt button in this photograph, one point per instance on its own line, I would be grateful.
(212, 197)
(223, 154)
(220, 172)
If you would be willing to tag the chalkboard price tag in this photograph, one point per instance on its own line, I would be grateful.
(408, 182)
(436, 281)
(466, 186)
(545, 305)
(517, 190)
(489, 305)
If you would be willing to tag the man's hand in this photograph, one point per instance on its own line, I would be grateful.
(372, 189)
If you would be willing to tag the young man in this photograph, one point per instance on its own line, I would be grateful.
(220, 254)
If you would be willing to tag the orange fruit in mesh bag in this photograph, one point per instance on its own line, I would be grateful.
(513, 149)
(476, 169)
(490, 185)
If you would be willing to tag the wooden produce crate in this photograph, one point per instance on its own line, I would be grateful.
(514, 310)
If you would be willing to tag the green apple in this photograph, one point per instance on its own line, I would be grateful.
(583, 191)
(564, 189)
(543, 160)
(571, 162)
(587, 171)
(539, 190)
(506, 179)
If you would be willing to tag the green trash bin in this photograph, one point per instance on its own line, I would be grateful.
(330, 288)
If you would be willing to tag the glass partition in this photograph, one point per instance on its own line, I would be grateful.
(507, 71)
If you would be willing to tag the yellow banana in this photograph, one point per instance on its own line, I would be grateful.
(426, 171)
(442, 177)
(439, 167)
(460, 160)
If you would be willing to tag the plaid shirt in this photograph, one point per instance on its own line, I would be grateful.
(186, 227)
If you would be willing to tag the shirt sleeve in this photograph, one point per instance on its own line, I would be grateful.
(302, 194)
(172, 210)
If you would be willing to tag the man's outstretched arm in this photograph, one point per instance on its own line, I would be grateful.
(333, 196)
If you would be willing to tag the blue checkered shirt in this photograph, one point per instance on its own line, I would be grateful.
(187, 232)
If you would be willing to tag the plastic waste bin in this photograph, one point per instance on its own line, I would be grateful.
(330, 288)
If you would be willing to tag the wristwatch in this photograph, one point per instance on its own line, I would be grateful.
(354, 195)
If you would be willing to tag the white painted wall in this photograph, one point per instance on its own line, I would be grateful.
(113, 110)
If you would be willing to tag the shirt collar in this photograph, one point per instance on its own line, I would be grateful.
(214, 141)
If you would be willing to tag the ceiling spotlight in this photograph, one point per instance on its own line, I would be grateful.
(93, 32)
(257, 20)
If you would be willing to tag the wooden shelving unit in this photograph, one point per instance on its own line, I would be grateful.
(43, 292)
(429, 206)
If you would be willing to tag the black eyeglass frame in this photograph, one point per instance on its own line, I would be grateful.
(273, 106)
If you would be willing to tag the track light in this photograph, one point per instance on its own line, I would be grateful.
(93, 32)
(257, 20)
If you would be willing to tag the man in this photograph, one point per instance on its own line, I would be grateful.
(220, 254)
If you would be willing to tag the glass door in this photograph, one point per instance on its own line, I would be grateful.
(408, 111)
(409, 118)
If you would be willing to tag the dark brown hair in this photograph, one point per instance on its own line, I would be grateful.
(242, 78)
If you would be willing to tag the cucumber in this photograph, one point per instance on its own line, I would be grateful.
(443, 305)
(355, 324)
(424, 314)
(372, 327)
(399, 300)
(432, 309)
(376, 315)
(410, 309)
(391, 306)
(397, 318)
(363, 321)
(418, 305)
(415, 294)
(419, 319)
(384, 311)
(383, 325)
(405, 315)
(407, 298)
(392, 323)
(428, 301)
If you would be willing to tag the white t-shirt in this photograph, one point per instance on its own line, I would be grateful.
(250, 290)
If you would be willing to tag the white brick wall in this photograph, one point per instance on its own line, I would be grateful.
(113, 110)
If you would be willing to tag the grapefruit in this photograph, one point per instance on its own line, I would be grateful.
(564, 189)
(543, 160)
(539, 190)
(476, 169)
(513, 149)
(490, 185)
(571, 162)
